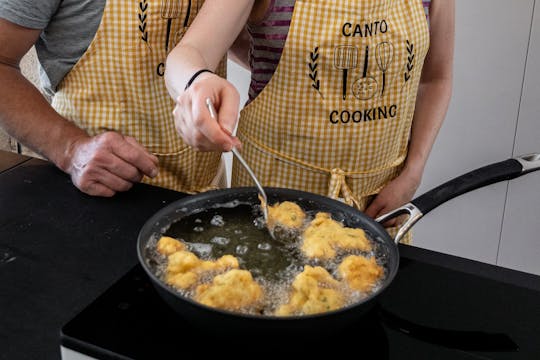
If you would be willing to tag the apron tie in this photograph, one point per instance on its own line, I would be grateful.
(338, 185)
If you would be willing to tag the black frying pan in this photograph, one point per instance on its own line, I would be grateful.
(211, 318)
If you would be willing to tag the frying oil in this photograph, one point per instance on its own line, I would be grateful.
(239, 230)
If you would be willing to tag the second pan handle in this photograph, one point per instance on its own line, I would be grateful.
(487, 175)
(490, 174)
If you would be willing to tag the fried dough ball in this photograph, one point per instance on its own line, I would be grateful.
(168, 245)
(223, 263)
(232, 290)
(314, 291)
(360, 273)
(324, 236)
(286, 214)
(184, 268)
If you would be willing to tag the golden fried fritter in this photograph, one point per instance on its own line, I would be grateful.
(324, 236)
(168, 245)
(184, 268)
(360, 273)
(223, 263)
(233, 290)
(314, 291)
(286, 214)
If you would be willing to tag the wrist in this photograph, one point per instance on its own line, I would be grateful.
(64, 155)
(195, 76)
(413, 171)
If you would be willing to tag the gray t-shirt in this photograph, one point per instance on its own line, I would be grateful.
(68, 29)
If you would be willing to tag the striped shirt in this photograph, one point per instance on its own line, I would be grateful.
(268, 39)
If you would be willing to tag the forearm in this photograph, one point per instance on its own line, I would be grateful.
(182, 62)
(435, 88)
(431, 107)
(239, 51)
(27, 116)
(206, 42)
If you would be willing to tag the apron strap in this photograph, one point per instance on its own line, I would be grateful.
(338, 185)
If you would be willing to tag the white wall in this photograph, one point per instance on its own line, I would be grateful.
(520, 240)
(491, 49)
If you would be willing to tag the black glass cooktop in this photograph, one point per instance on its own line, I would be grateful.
(430, 311)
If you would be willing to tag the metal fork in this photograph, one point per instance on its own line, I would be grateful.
(262, 193)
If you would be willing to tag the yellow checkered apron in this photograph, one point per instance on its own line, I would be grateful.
(336, 116)
(118, 85)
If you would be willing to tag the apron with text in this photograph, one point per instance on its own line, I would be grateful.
(118, 85)
(336, 116)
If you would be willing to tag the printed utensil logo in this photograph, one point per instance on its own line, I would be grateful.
(384, 55)
(365, 87)
(345, 58)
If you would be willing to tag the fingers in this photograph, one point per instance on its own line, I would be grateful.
(193, 120)
(97, 189)
(396, 193)
(228, 113)
(99, 182)
(136, 144)
(380, 207)
(133, 155)
(375, 208)
(110, 162)
(208, 132)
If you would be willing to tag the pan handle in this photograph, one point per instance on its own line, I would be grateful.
(487, 175)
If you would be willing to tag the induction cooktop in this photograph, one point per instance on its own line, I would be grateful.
(430, 311)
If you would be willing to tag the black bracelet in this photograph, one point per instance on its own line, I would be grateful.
(192, 79)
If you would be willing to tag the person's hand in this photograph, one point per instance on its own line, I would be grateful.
(396, 193)
(192, 117)
(108, 163)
